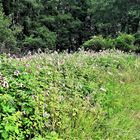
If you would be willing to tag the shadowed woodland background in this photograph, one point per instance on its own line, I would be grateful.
(27, 25)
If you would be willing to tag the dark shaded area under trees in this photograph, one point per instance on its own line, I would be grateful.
(63, 24)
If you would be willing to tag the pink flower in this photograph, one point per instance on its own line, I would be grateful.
(5, 84)
(16, 73)
(27, 65)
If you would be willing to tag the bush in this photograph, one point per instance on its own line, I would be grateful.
(97, 43)
(137, 41)
(125, 42)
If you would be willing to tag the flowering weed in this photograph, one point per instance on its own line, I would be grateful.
(80, 96)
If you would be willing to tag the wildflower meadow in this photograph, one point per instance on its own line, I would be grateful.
(79, 96)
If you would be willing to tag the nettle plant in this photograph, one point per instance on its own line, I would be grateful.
(68, 96)
(34, 103)
(20, 115)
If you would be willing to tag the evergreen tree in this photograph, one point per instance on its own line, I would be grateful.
(66, 24)
(7, 35)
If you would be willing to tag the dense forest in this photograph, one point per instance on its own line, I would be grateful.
(64, 24)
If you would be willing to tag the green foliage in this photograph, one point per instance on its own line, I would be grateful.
(42, 39)
(66, 25)
(137, 41)
(125, 42)
(113, 16)
(97, 43)
(76, 96)
(7, 38)
(50, 136)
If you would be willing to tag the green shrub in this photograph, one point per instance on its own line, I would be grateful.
(137, 41)
(125, 42)
(97, 43)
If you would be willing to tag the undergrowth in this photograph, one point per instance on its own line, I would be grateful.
(80, 96)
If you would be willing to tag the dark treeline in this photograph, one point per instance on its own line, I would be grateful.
(63, 24)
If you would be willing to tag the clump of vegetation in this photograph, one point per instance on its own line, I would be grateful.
(98, 43)
(123, 42)
(137, 41)
(70, 96)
